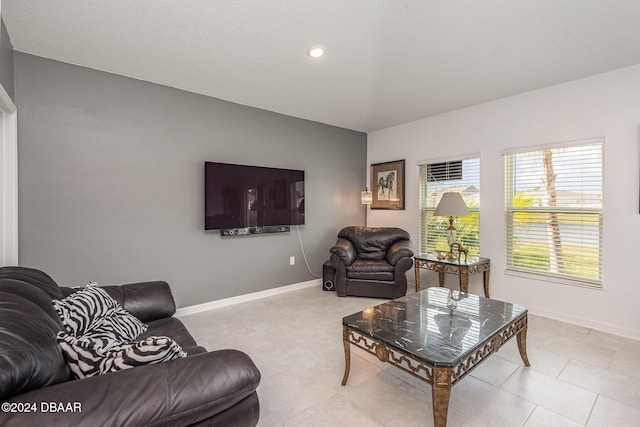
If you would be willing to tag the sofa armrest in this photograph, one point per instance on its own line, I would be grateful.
(146, 300)
(178, 393)
(399, 250)
(344, 250)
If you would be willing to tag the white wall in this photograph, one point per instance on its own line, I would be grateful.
(604, 105)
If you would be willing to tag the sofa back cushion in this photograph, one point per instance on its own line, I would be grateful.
(373, 242)
(34, 277)
(146, 300)
(30, 357)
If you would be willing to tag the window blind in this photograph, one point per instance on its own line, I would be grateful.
(436, 178)
(553, 212)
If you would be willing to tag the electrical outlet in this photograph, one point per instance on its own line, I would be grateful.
(292, 260)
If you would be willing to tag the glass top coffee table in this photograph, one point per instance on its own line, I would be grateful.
(437, 335)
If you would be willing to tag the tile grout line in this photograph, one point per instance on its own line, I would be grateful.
(563, 368)
(529, 416)
(593, 407)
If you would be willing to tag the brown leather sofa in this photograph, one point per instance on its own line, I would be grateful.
(372, 261)
(38, 389)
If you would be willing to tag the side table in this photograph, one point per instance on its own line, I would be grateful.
(474, 264)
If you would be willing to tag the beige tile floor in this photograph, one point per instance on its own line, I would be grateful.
(578, 376)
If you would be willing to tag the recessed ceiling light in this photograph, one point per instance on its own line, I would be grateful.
(315, 51)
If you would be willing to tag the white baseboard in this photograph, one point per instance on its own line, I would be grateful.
(587, 323)
(185, 311)
(622, 331)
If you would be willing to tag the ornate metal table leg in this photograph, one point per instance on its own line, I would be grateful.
(486, 283)
(347, 354)
(441, 278)
(417, 267)
(521, 338)
(441, 390)
(464, 279)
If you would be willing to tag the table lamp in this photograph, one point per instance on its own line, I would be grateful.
(451, 204)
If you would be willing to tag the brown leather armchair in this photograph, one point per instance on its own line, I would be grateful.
(372, 261)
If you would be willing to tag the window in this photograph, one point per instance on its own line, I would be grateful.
(553, 212)
(436, 178)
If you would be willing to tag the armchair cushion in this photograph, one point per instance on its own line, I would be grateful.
(370, 270)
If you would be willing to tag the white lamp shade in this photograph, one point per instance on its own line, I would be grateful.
(366, 197)
(451, 204)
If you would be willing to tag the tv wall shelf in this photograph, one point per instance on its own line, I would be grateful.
(248, 231)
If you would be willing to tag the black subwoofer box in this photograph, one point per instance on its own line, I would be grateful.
(328, 275)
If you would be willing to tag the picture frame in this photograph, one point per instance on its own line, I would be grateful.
(387, 185)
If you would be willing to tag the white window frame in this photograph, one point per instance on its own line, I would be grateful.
(510, 210)
(424, 185)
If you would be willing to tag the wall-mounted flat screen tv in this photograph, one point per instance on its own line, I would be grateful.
(238, 196)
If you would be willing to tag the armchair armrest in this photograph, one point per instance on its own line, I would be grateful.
(181, 392)
(344, 250)
(146, 300)
(399, 250)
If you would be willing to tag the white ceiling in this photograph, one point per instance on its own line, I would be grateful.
(387, 62)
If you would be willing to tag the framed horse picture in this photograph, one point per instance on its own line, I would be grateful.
(387, 185)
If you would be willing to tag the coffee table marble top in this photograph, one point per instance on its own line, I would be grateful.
(439, 326)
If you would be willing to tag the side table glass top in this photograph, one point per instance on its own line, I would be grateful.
(423, 325)
(471, 259)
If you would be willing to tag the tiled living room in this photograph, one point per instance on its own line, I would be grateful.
(578, 376)
(120, 121)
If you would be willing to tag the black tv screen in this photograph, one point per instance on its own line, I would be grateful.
(238, 196)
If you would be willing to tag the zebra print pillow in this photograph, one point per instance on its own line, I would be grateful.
(118, 325)
(88, 357)
(92, 310)
(81, 310)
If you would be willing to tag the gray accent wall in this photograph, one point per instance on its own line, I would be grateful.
(111, 174)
